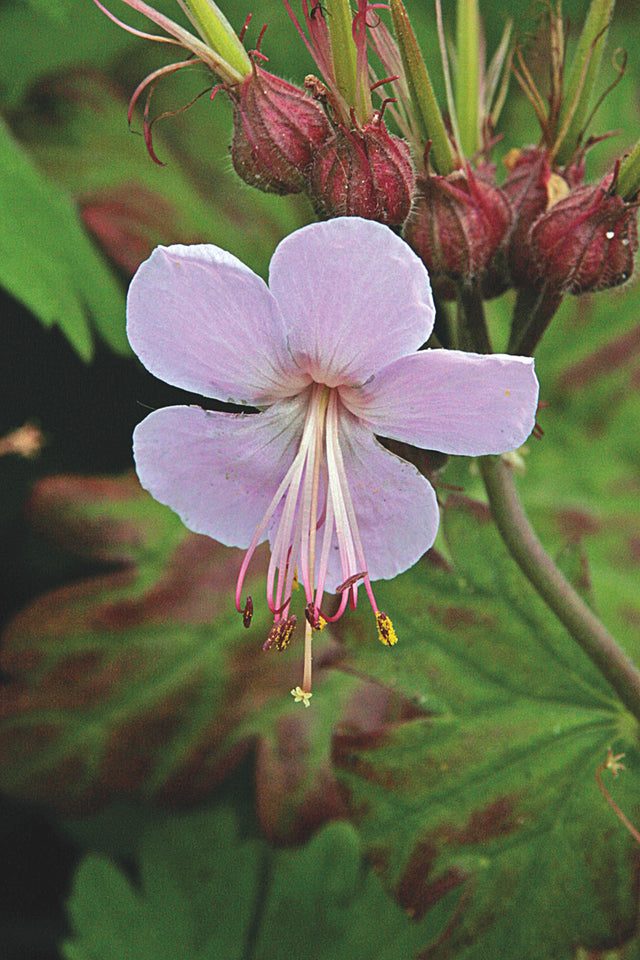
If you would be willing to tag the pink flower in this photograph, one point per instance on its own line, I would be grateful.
(327, 352)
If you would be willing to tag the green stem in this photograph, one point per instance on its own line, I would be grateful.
(538, 567)
(472, 325)
(522, 543)
(343, 49)
(534, 310)
(467, 79)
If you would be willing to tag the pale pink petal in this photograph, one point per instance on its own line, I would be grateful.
(354, 297)
(455, 402)
(200, 319)
(396, 507)
(218, 471)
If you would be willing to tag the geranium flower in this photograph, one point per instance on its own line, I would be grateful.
(327, 352)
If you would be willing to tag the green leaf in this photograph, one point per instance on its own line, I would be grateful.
(491, 789)
(141, 681)
(76, 127)
(42, 36)
(48, 262)
(205, 893)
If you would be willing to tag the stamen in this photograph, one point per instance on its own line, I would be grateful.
(247, 613)
(243, 28)
(308, 657)
(349, 582)
(259, 40)
(280, 634)
(314, 618)
(386, 632)
(295, 468)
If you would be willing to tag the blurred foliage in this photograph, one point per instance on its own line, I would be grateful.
(49, 261)
(318, 901)
(465, 757)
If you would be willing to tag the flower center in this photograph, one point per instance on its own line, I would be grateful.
(313, 499)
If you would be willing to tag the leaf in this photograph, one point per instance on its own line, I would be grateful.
(205, 892)
(76, 127)
(42, 36)
(141, 681)
(492, 792)
(46, 259)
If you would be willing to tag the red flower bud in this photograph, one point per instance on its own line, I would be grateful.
(277, 131)
(532, 187)
(365, 173)
(457, 225)
(586, 241)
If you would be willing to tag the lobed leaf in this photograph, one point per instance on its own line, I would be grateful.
(493, 791)
(140, 681)
(319, 901)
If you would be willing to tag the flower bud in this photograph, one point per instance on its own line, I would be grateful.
(586, 241)
(532, 187)
(365, 173)
(457, 225)
(277, 131)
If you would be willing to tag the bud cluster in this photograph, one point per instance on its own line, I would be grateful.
(285, 142)
(542, 228)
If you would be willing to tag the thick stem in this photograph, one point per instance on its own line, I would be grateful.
(525, 548)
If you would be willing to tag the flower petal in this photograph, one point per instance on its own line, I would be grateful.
(354, 296)
(395, 506)
(218, 471)
(200, 319)
(455, 402)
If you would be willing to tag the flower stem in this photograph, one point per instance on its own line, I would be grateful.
(536, 564)
(534, 310)
(519, 536)
(472, 325)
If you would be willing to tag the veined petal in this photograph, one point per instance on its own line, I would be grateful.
(218, 471)
(455, 402)
(395, 506)
(354, 296)
(200, 319)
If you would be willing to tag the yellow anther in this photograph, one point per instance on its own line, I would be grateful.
(386, 633)
(314, 618)
(280, 634)
(301, 696)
